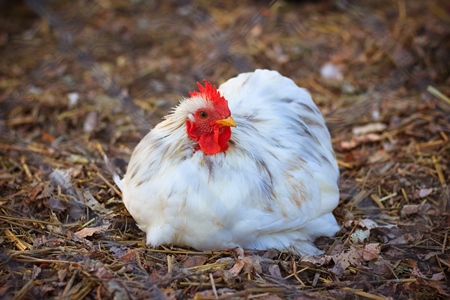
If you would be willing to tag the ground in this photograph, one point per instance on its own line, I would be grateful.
(80, 79)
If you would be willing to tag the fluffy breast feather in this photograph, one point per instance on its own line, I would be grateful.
(275, 187)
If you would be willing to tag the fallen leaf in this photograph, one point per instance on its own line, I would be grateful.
(425, 192)
(338, 270)
(62, 274)
(369, 128)
(347, 145)
(410, 263)
(103, 272)
(368, 223)
(247, 265)
(93, 204)
(411, 287)
(155, 276)
(360, 139)
(416, 272)
(344, 259)
(36, 272)
(194, 261)
(4, 289)
(55, 204)
(404, 239)
(274, 270)
(116, 290)
(440, 288)
(410, 209)
(55, 242)
(36, 190)
(316, 260)
(46, 288)
(252, 265)
(62, 178)
(380, 267)
(129, 256)
(371, 251)
(378, 156)
(445, 222)
(237, 268)
(428, 255)
(89, 231)
(438, 276)
(118, 252)
(359, 235)
(47, 137)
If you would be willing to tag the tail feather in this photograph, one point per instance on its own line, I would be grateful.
(115, 171)
(117, 180)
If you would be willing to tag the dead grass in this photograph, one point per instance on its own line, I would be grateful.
(88, 79)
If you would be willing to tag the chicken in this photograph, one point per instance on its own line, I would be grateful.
(269, 182)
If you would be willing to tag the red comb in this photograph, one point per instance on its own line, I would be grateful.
(210, 93)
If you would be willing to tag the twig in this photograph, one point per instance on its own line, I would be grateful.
(170, 260)
(438, 94)
(364, 294)
(444, 243)
(377, 200)
(294, 270)
(109, 184)
(213, 286)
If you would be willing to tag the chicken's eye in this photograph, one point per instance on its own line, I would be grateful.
(203, 114)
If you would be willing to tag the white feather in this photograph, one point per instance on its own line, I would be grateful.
(275, 187)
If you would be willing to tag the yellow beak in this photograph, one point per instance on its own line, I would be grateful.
(228, 122)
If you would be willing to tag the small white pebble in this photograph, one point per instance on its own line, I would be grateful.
(376, 115)
(347, 88)
(369, 128)
(35, 90)
(331, 72)
(73, 99)
(359, 236)
(90, 123)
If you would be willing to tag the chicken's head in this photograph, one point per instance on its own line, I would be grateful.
(210, 124)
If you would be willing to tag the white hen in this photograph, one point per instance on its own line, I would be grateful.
(270, 182)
